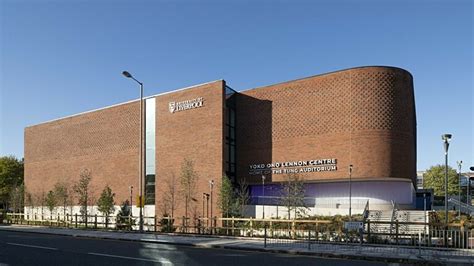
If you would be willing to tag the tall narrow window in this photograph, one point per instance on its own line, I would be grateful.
(230, 134)
(150, 151)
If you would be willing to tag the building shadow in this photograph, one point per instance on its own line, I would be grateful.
(254, 141)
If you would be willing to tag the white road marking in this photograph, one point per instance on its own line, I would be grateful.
(161, 260)
(31, 246)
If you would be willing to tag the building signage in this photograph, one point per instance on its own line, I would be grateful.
(185, 105)
(294, 167)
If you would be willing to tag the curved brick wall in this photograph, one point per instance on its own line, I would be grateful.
(362, 116)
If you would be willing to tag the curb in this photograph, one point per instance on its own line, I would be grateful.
(381, 258)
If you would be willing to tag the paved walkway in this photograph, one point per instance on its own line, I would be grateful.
(350, 251)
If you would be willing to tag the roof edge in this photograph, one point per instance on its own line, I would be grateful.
(127, 102)
(330, 73)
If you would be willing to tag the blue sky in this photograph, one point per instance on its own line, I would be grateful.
(59, 58)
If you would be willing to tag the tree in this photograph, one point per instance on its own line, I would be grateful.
(243, 197)
(82, 190)
(62, 195)
(51, 202)
(124, 217)
(11, 176)
(106, 203)
(170, 196)
(188, 181)
(228, 201)
(434, 178)
(17, 198)
(29, 201)
(292, 196)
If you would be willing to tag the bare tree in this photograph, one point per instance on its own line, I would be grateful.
(243, 196)
(188, 181)
(51, 202)
(292, 195)
(29, 201)
(62, 195)
(82, 189)
(170, 196)
(41, 200)
(17, 197)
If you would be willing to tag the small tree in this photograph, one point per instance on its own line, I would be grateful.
(124, 217)
(292, 196)
(62, 195)
(29, 201)
(170, 196)
(106, 203)
(82, 190)
(51, 202)
(434, 178)
(243, 197)
(17, 197)
(188, 181)
(227, 203)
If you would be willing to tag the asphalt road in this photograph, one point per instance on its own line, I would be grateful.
(39, 249)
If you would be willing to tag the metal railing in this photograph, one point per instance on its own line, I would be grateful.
(297, 233)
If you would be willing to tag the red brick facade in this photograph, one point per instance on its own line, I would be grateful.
(362, 116)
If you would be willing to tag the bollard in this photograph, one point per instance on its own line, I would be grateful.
(233, 227)
(309, 239)
(396, 231)
(264, 235)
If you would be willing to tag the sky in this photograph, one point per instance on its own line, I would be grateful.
(59, 58)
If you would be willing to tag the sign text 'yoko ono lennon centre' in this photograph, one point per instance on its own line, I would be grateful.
(313, 127)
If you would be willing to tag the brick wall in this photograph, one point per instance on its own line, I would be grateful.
(362, 116)
(103, 141)
(196, 135)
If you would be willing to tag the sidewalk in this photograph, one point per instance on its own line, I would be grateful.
(348, 251)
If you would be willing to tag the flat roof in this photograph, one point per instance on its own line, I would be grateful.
(118, 104)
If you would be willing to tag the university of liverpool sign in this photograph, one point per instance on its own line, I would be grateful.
(185, 105)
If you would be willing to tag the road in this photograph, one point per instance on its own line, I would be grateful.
(17, 248)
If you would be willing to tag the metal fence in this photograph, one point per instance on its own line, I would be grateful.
(319, 235)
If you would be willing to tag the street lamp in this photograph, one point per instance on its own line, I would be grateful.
(205, 196)
(459, 192)
(446, 138)
(131, 204)
(211, 186)
(468, 201)
(263, 196)
(140, 168)
(350, 192)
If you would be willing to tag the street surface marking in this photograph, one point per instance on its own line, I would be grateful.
(31, 246)
(161, 260)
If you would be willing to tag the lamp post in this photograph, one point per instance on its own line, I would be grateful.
(131, 204)
(459, 192)
(140, 168)
(446, 138)
(211, 186)
(205, 196)
(263, 196)
(350, 192)
(468, 201)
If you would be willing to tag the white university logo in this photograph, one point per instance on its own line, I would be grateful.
(185, 105)
(172, 106)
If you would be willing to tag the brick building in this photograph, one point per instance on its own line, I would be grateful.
(315, 127)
